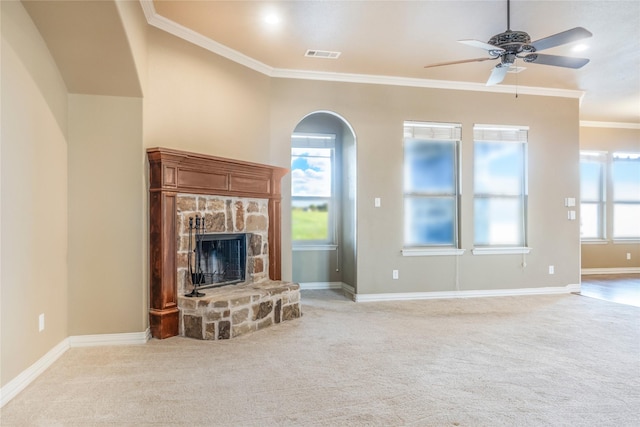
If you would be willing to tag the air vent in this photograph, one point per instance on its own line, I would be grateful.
(322, 54)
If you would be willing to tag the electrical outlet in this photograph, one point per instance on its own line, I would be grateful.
(376, 202)
(41, 323)
(395, 274)
(628, 255)
(552, 269)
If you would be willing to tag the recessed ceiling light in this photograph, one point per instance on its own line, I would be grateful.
(272, 18)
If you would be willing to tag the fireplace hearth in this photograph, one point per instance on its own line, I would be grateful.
(231, 311)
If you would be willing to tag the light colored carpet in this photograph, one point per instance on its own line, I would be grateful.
(510, 361)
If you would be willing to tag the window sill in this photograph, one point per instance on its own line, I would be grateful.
(594, 242)
(319, 247)
(432, 252)
(500, 251)
(606, 242)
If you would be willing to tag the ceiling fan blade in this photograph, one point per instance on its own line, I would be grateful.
(458, 62)
(572, 35)
(481, 45)
(555, 60)
(497, 75)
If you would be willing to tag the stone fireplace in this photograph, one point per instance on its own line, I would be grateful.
(232, 200)
(223, 218)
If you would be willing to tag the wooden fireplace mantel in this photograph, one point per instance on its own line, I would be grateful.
(173, 172)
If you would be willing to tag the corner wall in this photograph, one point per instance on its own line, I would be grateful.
(106, 166)
(33, 196)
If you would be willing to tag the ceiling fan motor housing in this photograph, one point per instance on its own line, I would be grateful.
(512, 42)
(507, 59)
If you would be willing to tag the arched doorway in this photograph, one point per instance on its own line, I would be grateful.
(323, 202)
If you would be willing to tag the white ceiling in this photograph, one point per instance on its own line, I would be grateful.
(380, 42)
(391, 41)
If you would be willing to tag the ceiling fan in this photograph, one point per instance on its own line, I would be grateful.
(511, 45)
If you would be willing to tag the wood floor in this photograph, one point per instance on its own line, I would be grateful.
(620, 288)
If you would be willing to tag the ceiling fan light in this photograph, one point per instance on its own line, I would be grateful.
(514, 69)
(580, 47)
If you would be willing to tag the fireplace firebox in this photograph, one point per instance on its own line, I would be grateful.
(217, 259)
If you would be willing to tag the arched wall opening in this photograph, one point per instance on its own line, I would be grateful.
(330, 263)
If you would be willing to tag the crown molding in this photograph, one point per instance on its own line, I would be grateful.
(187, 34)
(171, 27)
(614, 125)
(425, 83)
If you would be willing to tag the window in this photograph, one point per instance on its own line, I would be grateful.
(431, 189)
(312, 176)
(592, 194)
(500, 186)
(625, 173)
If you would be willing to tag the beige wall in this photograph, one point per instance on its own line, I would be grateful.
(197, 101)
(377, 114)
(609, 254)
(107, 293)
(34, 196)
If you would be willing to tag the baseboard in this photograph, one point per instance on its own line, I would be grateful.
(109, 339)
(306, 286)
(26, 377)
(348, 289)
(618, 270)
(573, 288)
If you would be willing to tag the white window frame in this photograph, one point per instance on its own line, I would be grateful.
(436, 132)
(600, 157)
(635, 156)
(512, 135)
(319, 140)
